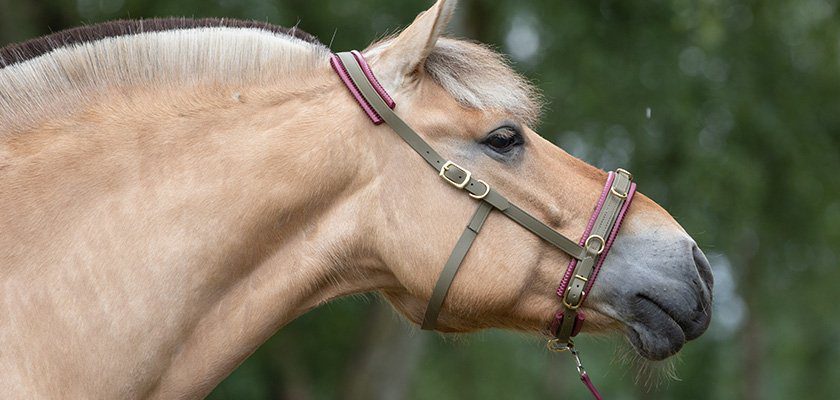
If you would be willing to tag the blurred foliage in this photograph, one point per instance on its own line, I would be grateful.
(727, 111)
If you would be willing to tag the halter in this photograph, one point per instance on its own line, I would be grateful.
(587, 254)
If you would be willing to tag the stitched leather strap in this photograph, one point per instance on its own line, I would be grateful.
(453, 263)
(474, 186)
(617, 196)
(588, 255)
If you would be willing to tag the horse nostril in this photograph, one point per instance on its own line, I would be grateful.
(703, 268)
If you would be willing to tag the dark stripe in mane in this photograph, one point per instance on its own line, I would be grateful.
(16, 53)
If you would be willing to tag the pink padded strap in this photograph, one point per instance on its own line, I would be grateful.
(611, 238)
(372, 78)
(339, 68)
(580, 317)
(564, 283)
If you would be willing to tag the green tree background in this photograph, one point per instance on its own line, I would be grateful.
(728, 113)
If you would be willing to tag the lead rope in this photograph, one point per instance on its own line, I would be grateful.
(554, 346)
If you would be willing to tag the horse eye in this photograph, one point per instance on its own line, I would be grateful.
(504, 139)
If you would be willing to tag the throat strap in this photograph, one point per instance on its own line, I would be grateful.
(453, 263)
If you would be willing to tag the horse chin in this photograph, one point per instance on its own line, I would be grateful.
(655, 334)
(654, 345)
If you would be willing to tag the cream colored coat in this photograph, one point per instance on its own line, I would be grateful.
(153, 235)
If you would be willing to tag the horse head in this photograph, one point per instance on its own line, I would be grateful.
(467, 103)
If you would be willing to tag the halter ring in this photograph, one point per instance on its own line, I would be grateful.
(598, 238)
(483, 195)
(555, 346)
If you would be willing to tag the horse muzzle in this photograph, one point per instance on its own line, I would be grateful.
(662, 296)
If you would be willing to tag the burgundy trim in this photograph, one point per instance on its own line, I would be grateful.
(558, 320)
(555, 323)
(580, 317)
(341, 70)
(611, 239)
(567, 276)
(373, 81)
(564, 283)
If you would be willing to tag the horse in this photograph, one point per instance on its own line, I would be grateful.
(175, 191)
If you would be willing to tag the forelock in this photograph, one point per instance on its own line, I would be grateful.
(479, 77)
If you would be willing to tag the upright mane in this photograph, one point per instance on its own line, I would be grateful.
(56, 74)
(16, 53)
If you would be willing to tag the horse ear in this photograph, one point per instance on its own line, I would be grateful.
(406, 54)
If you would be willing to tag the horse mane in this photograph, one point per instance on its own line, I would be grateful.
(58, 74)
(16, 53)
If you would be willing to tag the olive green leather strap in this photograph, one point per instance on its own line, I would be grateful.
(595, 244)
(453, 263)
(588, 256)
(451, 172)
(392, 119)
(543, 231)
(461, 178)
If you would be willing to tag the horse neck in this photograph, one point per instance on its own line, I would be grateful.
(183, 231)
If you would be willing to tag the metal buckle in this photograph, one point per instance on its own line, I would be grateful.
(483, 195)
(600, 239)
(624, 172)
(557, 347)
(617, 193)
(446, 167)
(566, 302)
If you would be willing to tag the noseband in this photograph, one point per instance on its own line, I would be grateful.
(587, 254)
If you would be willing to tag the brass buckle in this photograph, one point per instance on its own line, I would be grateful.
(600, 239)
(483, 195)
(557, 347)
(617, 193)
(458, 185)
(566, 302)
(624, 172)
